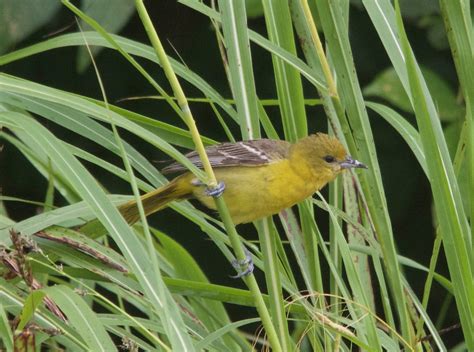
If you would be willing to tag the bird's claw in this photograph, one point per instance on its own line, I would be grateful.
(216, 191)
(244, 267)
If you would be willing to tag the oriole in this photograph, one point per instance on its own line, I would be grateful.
(261, 177)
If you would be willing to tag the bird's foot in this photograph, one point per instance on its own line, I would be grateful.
(216, 191)
(244, 267)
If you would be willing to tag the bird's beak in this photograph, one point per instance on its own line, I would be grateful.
(352, 163)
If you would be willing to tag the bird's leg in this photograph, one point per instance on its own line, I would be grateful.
(244, 267)
(216, 191)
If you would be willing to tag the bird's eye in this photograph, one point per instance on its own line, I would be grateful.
(329, 159)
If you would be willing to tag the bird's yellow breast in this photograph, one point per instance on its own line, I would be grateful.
(255, 192)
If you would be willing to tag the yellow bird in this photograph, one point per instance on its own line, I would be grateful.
(261, 177)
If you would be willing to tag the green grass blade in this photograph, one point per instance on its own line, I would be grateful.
(81, 317)
(218, 334)
(458, 22)
(6, 335)
(234, 26)
(268, 238)
(288, 80)
(404, 128)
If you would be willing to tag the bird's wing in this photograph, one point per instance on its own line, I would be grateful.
(247, 153)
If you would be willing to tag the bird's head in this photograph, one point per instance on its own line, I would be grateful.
(326, 157)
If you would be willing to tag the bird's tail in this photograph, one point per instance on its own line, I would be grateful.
(178, 189)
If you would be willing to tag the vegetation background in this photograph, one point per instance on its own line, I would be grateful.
(190, 38)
